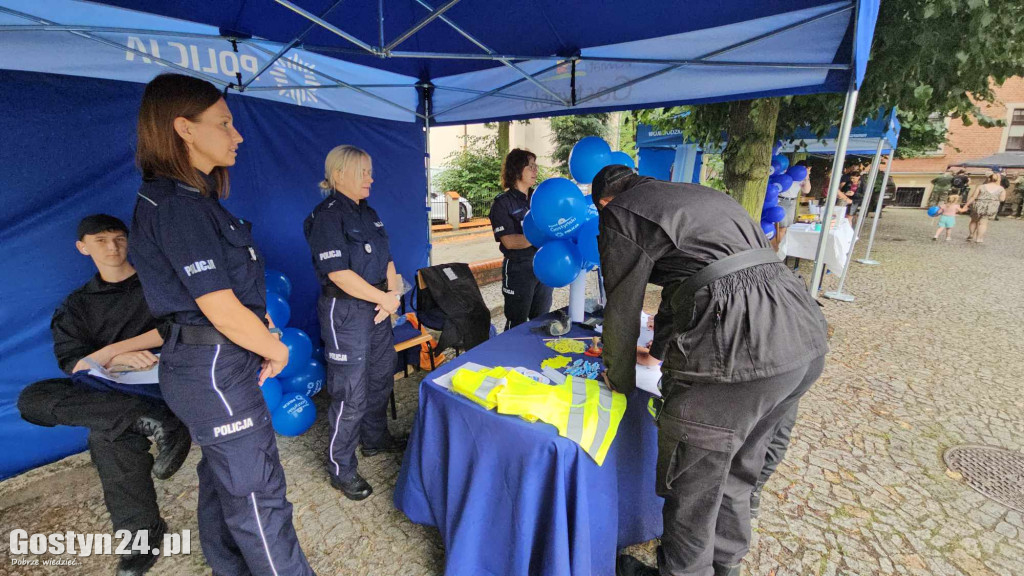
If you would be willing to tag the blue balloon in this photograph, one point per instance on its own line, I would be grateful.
(771, 195)
(779, 164)
(278, 283)
(776, 147)
(534, 234)
(557, 263)
(295, 415)
(271, 393)
(558, 207)
(309, 381)
(620, 157)
(769, 229)
(934, 211)
(773, 214)
(300, 348)
(782, 180)
(587, 158)
(586, 243)
(278, 308)
(797, 173)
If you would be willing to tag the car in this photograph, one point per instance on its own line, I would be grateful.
(439, 209)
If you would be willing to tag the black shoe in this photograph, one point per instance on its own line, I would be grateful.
(138, 564)
(393, 446)
(355, 489)
(723, 570)
(626, 565)
(172, 441)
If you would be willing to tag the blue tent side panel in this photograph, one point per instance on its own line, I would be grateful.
(61, 171)
(656, 162)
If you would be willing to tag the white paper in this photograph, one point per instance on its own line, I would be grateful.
(646, 334)
(450, 273)
(647, 378)
(445, 380)
(151, 376)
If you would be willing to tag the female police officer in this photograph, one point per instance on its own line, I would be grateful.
(525, 297)
(203, 277)
(360, 290)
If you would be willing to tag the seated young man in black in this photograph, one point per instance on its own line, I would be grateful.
(107, 321)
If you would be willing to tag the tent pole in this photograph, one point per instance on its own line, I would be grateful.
(434, 14)
(865, 204)
(427, 97)
(878, 212)
(833, 185)
(328, 26)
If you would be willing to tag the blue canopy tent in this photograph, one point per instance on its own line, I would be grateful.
(302, 76)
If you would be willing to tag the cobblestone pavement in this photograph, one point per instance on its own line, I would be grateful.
(929, 356)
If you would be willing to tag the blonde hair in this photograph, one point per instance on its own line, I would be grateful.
(993, 177)
(340, 159)
(953, 199)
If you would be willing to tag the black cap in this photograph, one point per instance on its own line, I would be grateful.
(604, 183)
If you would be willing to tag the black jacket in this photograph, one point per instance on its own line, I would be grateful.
(96, 315)
(752, 324)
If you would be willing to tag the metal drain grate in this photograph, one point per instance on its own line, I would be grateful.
(994, 472)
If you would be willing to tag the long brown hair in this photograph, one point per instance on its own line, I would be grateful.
(161, 152)
(512, 167)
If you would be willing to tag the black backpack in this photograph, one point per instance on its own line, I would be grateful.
(451, 302)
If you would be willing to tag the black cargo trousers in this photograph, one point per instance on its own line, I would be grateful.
(712, 441)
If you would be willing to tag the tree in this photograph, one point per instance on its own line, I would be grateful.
(567, 131)
(930, 58)
(474, 172)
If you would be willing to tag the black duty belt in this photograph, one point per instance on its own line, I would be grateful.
(683, 299)
(332, 291)
(200, 335)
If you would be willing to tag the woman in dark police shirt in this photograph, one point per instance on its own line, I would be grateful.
(360, 289)
(203, 277)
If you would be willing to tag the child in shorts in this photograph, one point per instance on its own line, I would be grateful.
(947, 216)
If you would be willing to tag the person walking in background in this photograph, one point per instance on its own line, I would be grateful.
(984, 204)
(947, 216)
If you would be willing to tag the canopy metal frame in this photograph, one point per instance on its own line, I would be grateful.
(513, 62)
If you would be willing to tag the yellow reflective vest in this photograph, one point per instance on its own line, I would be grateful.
(584, 411)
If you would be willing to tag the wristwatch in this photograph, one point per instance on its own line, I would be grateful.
(276, 330)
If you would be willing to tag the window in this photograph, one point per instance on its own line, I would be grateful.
(1015, 135)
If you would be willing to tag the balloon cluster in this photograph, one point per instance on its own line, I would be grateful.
(783, 178)
(288, 395)
(562, 222)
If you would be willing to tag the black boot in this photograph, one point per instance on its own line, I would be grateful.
(138, 564)
(172, 441)
(355, 488)
(723, 570)
(394, 445)
(626, 565)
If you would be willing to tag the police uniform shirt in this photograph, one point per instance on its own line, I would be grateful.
(662, 233)
(98, 314)
(345, 235)
(507, 213)
(186, 245)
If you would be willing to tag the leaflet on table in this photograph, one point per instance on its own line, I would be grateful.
(445, 380)
(151, 376)
(647, 378)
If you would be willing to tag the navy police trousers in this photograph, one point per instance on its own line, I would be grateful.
(245, 520)
(360, 376)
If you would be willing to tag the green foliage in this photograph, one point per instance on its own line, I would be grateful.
(567, 131)
(931, 58)
(474, 172)
(627, 133)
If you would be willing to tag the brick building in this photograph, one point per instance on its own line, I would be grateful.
(913, 176)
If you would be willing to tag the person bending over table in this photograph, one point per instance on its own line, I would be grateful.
(741, 341)
(107, 321)
(360, 289)
(525, 297)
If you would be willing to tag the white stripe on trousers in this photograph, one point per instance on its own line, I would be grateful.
(213, 380)
(263, 536)
(334, 332)
(330, 449)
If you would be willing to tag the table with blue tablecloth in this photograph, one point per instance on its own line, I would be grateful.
(512, 497)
